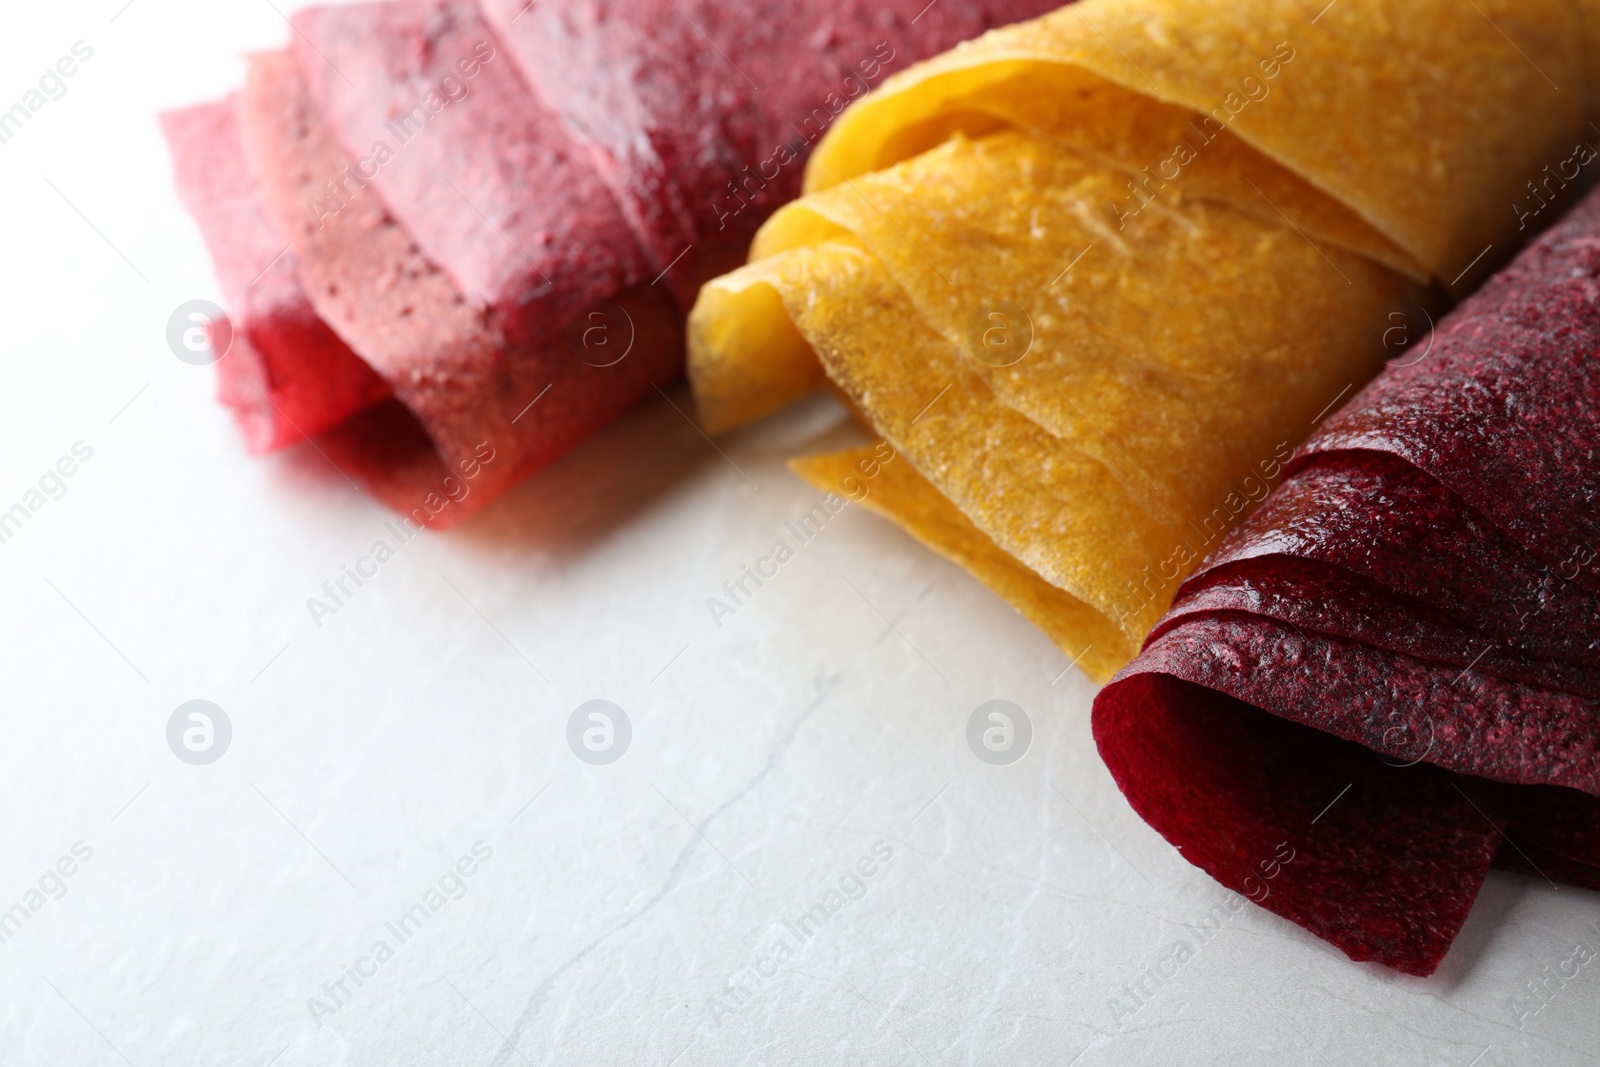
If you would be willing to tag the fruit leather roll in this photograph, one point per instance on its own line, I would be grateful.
(286, 374)
(1095, 274)
(475, 410)
(701, 113)
(441, 410)
(1392, 669)
(457, 223)
(488, 182)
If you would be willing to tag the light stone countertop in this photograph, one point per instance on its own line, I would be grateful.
(797, 860)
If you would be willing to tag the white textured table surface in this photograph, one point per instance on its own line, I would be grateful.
(650, 911)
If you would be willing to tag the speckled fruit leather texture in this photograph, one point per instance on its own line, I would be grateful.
(1394, 665)
(456, 239)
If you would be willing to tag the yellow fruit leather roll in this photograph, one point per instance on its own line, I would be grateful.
(1095, 275)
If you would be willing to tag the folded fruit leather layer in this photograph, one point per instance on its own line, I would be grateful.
(491, 186)
(1095, 274)
(707, 109)
(1394, 664)
(287, 374)
(500, 211)
(449, 361)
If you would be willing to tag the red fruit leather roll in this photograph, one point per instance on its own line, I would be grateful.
(487, 182)
(1391, 671)
(286, 374)
(1314, 596)
(487, 238)
(1502, 411)
(701, 113)
(477, 411)
(1372, 514)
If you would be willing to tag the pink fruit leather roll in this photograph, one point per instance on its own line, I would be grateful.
(286, 374)
(496, 218)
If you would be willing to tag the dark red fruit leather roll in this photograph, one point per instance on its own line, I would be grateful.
(504, 213)
(1391, 671)
(634, 145)
(704, 111)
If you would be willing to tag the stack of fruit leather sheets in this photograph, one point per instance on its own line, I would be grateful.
(1417, 606)
(1095, 275)
(455, 240)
